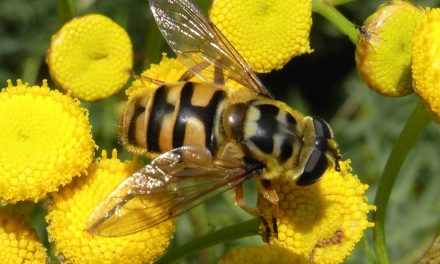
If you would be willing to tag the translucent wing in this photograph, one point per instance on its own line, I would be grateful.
(201, 46)
(170, 185)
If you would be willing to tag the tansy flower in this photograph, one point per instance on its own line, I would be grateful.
(266, 254)
(169, 70)
(18, 242)
(72, 206)
(383, 51)
(267, 33)
(321, 222)
(426, 57)
(91, 57)
(45, 140)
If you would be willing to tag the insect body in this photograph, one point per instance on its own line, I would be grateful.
(258, 128)
(211, 137)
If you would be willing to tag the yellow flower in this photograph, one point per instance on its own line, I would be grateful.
(267, 254)
(267, 33)
(169, 70)
(45, 140)
(321, 222)
(72, 206)
(91, 57)
(18, 242)
(383, 51)
(426, 57)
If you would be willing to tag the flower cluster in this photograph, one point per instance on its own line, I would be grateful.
(397, 52)
(263, 255)
(383, 52)
(18, 242)
(425, 56)
(46, 140)
(267, 33)
(48, 147)
(71, 207)
(321, 222)
(90, 57)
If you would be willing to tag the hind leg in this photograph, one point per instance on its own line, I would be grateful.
(218, 77)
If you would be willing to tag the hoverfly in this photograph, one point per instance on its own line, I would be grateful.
(207, 138)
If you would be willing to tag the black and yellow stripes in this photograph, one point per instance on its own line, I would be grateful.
(187, 112)
(270, 130)
(173, 116)
(259, 129)
(159, 111)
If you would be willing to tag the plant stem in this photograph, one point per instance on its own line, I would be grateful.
(416, 123)
(66, 10)
(153, 45)
(336, 18)
(245, 229)
(200, 224)
(340, 2)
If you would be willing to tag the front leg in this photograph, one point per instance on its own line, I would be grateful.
(269, 193)
(239, 200)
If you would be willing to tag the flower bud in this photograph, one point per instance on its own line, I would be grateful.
(383, 51)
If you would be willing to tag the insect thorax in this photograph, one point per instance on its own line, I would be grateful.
(267, 132)
(286, 142)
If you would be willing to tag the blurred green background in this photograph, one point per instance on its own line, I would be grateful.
(324, 83)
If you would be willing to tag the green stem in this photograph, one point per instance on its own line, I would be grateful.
(416, 123)
(200, 224)
(340, 2)
(245, 229)
(336, 18)
(66, 10)
(153, 45)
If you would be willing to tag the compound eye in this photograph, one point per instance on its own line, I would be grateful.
(314, 169)
(321, 144)
(322, 129)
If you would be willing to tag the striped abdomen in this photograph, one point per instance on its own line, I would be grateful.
(172, 116)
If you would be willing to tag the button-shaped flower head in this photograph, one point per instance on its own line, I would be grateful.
(45, 140)
(426, 61)
(266, 254)
(321, 222)
(383, 51)
(18, 242)
(267, 33)
(169, 70)
(90, 56)
(72, 206)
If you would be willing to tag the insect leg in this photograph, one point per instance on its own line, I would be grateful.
(219, 77)
(151, 80)
(270, 194)
(194, 71)
(268, 232)
(145, 78)
(240, 202)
